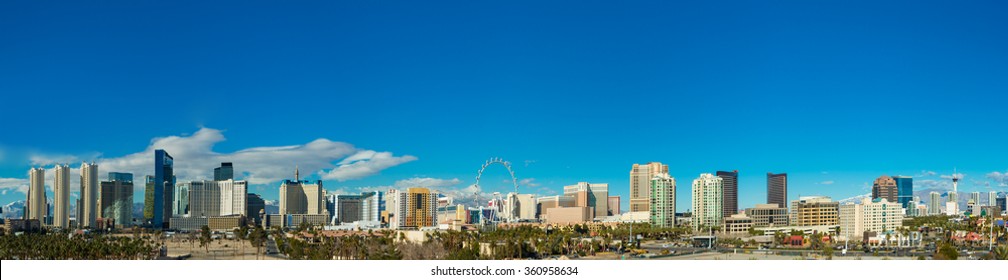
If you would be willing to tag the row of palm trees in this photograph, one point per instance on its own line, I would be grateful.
(65, 246)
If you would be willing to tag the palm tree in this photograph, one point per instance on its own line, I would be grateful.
(204, 238)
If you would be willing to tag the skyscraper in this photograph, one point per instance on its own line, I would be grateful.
(707, 196)
(415, 208)
(180, 200)
(975, 197)
(301, 197)
(255, 205)
(904, 190)
(662, 209)
(777, 189)
(36, 203)
(640, 180)
(934, 203)
(592, 195)
(730, 180)
(215, 198)
(992, 198)
(224, 172)
(116, 199)
(61, 197)
(89, 195)
(163, 186)
(885, 187)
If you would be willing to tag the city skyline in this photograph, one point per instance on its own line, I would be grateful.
(367, 96)
(749, 195)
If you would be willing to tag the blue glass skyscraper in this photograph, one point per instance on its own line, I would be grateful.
(904, 190)
(164, 181)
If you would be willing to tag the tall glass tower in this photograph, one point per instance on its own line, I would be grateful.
(904, 190)
(164, 182)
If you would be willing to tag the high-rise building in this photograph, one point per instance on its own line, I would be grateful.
(614, 206)
(814, 211)
(345, 208)
(180, 200)
(302, 197)
(216, 198)
(991, 199)
(255, 205)
(768, 215)
(518, 207)
(872, 215)
(777, 189)
(115, 199)
(89, 195)
(592, 195)
(163, 186)
(640, 180)
(934, 203)
(543, 204)
(36, 203)
(975, 197)
(662, 209)
(416, 208)
(224, 172)
(1001, 203)
(885, 187)
(952, 205)
(904, 190)
(730, 199)
(373, 205)
(61, 197)
(707, 195)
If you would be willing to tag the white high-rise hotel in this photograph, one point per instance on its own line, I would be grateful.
(61, 197)
(877, 216)
(707, 196)
(36, 203)
(934, 204)
(216, 198)
(89, 195)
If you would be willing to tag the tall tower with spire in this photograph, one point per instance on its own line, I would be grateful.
(297, 174)
(952, 205)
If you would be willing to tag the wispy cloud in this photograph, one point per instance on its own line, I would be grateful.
(826, 182)
(926, 173)
(999, 178)
(529, 162)
(13, 184)
(363, 164)
(528, 182)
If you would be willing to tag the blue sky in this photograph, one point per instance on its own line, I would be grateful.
(835, 93)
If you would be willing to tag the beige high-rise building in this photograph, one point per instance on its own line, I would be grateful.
(300, 197)
(591, 195)
(61, 197)
(36, 194)
(543, 204)
(89, 195)
(640, 184)
(814, 211)
(707, 196)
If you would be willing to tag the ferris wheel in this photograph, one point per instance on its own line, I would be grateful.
(488, 163)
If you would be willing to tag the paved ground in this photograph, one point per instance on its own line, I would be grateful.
(219, 250)
(758, 256)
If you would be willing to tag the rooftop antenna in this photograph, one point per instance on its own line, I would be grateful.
(297, 175)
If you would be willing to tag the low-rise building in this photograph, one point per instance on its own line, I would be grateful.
(768, 215)
(568, 215)
(737, 224)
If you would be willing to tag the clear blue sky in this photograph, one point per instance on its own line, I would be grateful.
(835, 93)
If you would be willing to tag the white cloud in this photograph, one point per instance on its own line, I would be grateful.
(195, 159)
(949, 177)
(426, 182)
(826, 183)
(1001, 179)
(363, 164)
(528, 182)
(13, 184)
(926, 173)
